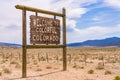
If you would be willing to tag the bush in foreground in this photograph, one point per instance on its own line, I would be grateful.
(117, 78)
(90, 71)
(6, 70)
(108, 72)
(0, 73)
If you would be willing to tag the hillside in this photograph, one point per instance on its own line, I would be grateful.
(9, 44)
(113, 41)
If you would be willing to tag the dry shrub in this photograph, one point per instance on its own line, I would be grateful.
(35, 62)
(33, 57)
(6, 70)
(100, 58)
(42, 58)
(18, 65)
(3, 61)
(13, 62)
(38, 69)
(49, 67)
(91, 71)
(100, 66)
(0, 73)
(108, 72)
(81, 67)
(56, 68)
(75, 66)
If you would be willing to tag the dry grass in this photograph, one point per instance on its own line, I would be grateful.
(13, 62)
(100, 66)
(48, 67)
(0, 73)
(108, 72)
(80, 61)
(18, 65)
(6, 70)
(91, 71)
(38, 69)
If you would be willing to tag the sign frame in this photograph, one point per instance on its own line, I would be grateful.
(25, 46)
(44, 30)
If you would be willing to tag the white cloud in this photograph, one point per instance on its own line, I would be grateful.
(94, 32)
(113, 3)
(11, 16)
(74, 8)
(76, 13)
(10, 35)
(71, 23)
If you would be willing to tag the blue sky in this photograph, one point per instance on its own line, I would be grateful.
(100, 15)
(86, 19)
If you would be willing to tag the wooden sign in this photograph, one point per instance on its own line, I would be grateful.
(44, 30)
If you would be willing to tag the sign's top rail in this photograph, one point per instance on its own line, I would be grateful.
(22, 7)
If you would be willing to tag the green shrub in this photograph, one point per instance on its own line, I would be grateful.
(117, 78)
(90, 71)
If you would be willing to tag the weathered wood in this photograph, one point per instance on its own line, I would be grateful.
(24, 43)
(25, 46)
(64, 40)
(44, 30)
(37, 10)
(43, 46)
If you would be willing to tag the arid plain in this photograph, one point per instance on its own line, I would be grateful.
(86, 63)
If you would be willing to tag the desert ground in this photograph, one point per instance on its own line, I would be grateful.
(86, 63)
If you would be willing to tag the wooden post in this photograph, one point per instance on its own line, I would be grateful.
(64, 40)
(37, 10)
(24, 43)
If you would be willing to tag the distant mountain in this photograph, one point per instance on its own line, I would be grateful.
(9, 44)
(113, 41)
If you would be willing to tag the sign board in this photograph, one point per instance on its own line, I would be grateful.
(44, 30)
